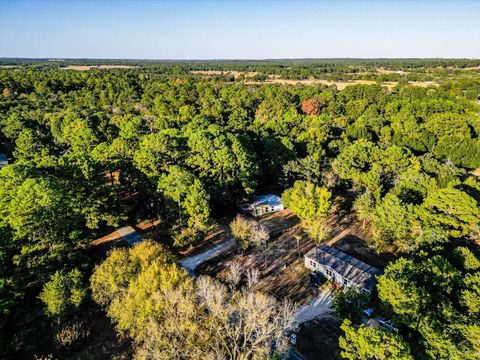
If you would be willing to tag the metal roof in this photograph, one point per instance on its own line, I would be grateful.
(349, 267)
(260, 200)
(129, 235)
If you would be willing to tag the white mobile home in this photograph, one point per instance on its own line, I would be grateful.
(263, 204)
(341, 268)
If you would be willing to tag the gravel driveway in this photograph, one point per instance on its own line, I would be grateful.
(192, 262)
(318, 307)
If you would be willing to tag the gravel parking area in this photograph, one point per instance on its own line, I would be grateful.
(320, 306)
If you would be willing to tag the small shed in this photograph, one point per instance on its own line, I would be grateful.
(3, 160)
(127, 234)
(341, 268)
(262, 204)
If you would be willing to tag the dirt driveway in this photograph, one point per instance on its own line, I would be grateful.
(192, 262)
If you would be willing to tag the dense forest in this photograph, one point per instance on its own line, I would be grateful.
(92, 150)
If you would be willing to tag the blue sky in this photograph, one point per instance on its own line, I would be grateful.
(239, 29)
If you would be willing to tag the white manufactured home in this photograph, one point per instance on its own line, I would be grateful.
(341, 268)
(263, 204)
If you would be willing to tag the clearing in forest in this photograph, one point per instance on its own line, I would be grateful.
(340, 84)
(224, 72)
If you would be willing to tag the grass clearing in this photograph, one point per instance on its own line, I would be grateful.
(275, 79)
(341, 84)
(226, 72)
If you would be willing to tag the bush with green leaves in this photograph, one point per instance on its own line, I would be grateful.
(186, 236)
(248, 232)
(63, 294)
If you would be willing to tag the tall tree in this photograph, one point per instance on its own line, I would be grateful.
(307, 201)
(451, 209)
(431, 293)
(368, 343)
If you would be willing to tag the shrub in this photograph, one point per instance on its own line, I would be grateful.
(63, 293)
(240, 228)
(248, 232)
(186, 236)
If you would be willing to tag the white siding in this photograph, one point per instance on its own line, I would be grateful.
(310, 264)
(321, 269)
(329, 273)
(259, 211)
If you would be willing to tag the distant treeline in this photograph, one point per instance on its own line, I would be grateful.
(264, 65)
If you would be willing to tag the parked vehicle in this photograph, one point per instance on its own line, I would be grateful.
(316, 278)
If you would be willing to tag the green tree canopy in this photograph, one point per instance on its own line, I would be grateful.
(435, 293)
(451, 209)
(158, 150)
(394, 223)
(222, 158)
(307, 200)
(369, 343)
(191, 199)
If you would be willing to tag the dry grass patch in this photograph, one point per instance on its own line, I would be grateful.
(422, 83)
(339, 84)
(222, 72)
(471, 68)
(387, 71)
(475, 172)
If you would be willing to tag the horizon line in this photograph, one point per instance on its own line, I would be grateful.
(232, 59)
